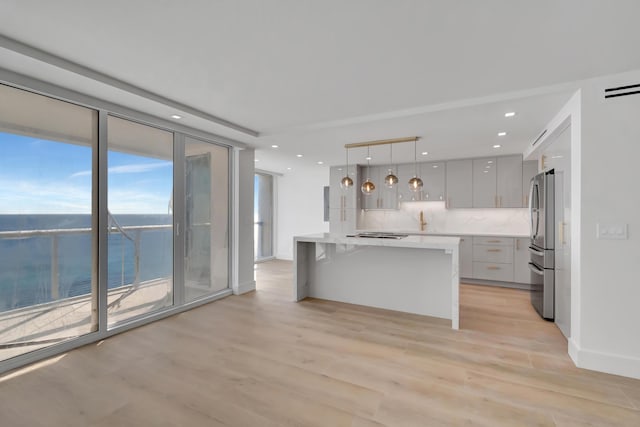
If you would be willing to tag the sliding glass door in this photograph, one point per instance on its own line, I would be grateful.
(140, 217)
(104, 223)
(206, 245)
(48, 286)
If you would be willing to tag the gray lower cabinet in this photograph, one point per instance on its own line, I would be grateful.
(521, 258)
(493, 258)
(459, 184)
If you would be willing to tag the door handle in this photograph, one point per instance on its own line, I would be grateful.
(493, 267)
(494, 250)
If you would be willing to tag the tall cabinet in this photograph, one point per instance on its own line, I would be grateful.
(343, 202)
(459, 184)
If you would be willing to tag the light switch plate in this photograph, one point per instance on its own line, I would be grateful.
(611, 231)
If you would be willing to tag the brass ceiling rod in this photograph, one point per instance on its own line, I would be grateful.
(382, 142)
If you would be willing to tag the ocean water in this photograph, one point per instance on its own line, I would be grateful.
(26, 262)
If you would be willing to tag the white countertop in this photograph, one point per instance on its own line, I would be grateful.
(437, 233)
(422, 242)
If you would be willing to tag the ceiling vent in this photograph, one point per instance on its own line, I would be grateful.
(615, 92)
(533, 144)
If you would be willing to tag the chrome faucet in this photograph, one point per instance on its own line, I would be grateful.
(423, 222)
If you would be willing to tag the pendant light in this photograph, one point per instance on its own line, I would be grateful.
(415, 183)
(346, 182)
(390, 180)
(368, 187)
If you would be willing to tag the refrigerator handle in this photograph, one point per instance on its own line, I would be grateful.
(536, 270)
(533, 232)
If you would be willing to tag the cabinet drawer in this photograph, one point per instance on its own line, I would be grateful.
(493, 253)
(493, 271)
(501, 241)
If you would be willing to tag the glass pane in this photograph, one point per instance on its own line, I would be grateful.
(263, 216)
(140, 248)
(47, 285)
(207, 219)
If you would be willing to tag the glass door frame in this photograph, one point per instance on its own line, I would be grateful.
(99, 216)
(273, 216)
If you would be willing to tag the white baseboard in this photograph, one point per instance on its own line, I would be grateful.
(285, 257)
(604, 362)
(245, 287)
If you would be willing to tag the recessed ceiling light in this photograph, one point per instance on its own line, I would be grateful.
(497, 146)
(502, 133)
(435, 166)
(288, 169)
(510, 114)
(175, 116)
(368, 158)
(485, 171)
(424, 153)
(256, 160)
(320, 163)
(489, 161)
(487, 167)
(298, 155)
(274, 146)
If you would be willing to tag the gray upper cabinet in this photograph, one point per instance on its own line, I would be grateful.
(341, 198)
(509, 182)
(383, 197)
(433, 177)
(459, 182)
(484, 183)
(405, 172)
(529, 170)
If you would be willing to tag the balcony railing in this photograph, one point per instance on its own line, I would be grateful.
(131, 233)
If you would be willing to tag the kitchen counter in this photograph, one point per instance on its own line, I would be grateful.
(431, 233)
(414, 274)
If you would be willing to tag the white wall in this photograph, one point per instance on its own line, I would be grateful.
(608, 336)
(299, 207)
(447, 221)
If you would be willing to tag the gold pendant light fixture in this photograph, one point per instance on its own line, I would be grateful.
(346, 182)
(368, 187)
(415, 183)
(390, 180)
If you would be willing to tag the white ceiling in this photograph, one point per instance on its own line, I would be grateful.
(311, 76)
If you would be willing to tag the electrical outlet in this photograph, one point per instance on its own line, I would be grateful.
(611, 231)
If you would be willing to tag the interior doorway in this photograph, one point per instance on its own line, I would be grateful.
(263, 216)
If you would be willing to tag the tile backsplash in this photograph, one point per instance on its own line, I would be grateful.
(441, 220)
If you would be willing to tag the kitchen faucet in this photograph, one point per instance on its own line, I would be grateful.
(423, 222)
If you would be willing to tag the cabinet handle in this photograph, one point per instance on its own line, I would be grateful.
(495, 201)
(494, 250)
(517, 244)
(494, 241)
(499, 201)
(448, 203)
(493, 267)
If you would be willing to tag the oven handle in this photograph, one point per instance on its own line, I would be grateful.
(536, 269)
(535, 251)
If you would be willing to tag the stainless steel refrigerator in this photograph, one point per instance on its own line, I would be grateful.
(541, 210)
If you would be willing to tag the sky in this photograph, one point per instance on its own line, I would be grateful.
(38, 176)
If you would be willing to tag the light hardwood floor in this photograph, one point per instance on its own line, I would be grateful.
(261, 360)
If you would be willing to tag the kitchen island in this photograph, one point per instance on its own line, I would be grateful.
(413, 274)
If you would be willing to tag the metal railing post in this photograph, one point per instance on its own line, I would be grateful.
(55, 280)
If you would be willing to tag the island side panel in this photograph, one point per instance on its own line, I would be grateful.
(412, 280)
(455, 288)
(303, 258)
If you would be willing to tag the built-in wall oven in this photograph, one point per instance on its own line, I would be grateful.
(541, 248)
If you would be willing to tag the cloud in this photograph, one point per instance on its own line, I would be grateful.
(132, 168)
